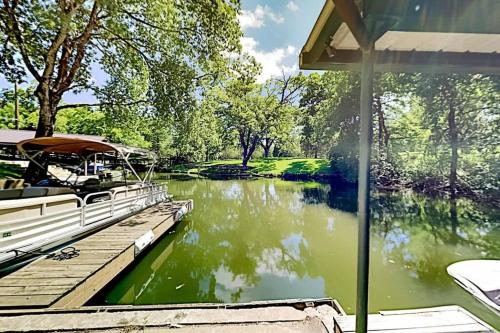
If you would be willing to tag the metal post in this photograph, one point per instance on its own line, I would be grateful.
(16, 105)
(95, 164)
(85, 167)
(365, 141)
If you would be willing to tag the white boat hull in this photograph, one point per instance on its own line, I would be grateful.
(481, 278)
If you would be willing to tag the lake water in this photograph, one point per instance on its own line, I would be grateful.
(264, 239)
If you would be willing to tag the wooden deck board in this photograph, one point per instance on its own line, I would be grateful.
(71, 282)
(430, 320)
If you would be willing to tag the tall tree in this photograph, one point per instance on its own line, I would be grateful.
(312, 96)
(140, 42)
(242, 105)
(457, 109)
(58, 41)
(280, 109)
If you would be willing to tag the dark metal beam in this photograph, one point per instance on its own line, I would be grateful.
(350, 14)
(365, 142)
(322, 40)
(410, 61)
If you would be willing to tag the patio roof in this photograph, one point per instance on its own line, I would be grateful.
(408, 36)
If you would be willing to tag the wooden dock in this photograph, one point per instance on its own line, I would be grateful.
(444, 319)
(282, 316)
(70, 283)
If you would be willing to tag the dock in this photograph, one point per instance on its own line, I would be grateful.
(70, 282)
(280, 316)
(287, 316)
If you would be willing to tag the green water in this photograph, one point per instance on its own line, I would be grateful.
(270, 239)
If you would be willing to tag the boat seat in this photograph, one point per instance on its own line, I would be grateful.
(33, 192)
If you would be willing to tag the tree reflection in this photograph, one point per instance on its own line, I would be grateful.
(262, 239)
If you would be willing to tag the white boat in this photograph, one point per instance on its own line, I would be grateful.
(481, 278)
(36, 219)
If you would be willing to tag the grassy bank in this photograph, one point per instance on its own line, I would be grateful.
(274, 167)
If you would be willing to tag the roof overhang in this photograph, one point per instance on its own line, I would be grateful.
(407, 36)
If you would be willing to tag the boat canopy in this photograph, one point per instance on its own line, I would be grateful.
(85, 148)
(80, 147)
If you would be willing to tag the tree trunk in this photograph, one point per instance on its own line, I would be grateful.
(452, 126)
(248, 148)
(266, 151)
(266, 145)
(245, 160)
(383, 133)
(46, 125)
(46, 120)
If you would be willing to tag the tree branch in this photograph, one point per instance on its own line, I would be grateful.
(81, 43)
(81, 105)
(61, 36)
(132, 46)
(152, 25)
(14, 29)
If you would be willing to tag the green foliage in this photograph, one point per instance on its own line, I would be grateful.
(156, 53)
(81, 121)
(413, 121)
(27, 107)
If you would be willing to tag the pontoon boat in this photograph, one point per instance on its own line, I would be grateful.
(36, 219)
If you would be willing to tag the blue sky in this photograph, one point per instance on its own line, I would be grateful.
(274, 32)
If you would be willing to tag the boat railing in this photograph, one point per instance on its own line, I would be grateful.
(99, 209)
(95, 208)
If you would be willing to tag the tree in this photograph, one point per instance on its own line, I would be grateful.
(81, 121)
(58, 41)
(241, 105)
(313, 94)
(280, 110)
(27, 107)
(458, 110)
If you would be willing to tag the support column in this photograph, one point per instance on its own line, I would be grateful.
(365, 142)
(16, 105)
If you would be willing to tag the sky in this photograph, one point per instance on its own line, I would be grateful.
(274, 32)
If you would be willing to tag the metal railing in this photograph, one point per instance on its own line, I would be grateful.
(94, 210)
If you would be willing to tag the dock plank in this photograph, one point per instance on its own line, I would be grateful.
(32, 290)
(41, 282)
(103, 255)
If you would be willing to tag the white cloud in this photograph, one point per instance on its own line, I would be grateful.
(292, 6)
(272, 62)
(256, 18)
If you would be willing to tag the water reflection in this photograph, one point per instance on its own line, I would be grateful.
(270, 239)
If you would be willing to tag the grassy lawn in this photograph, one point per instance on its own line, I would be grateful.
(270, 166)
